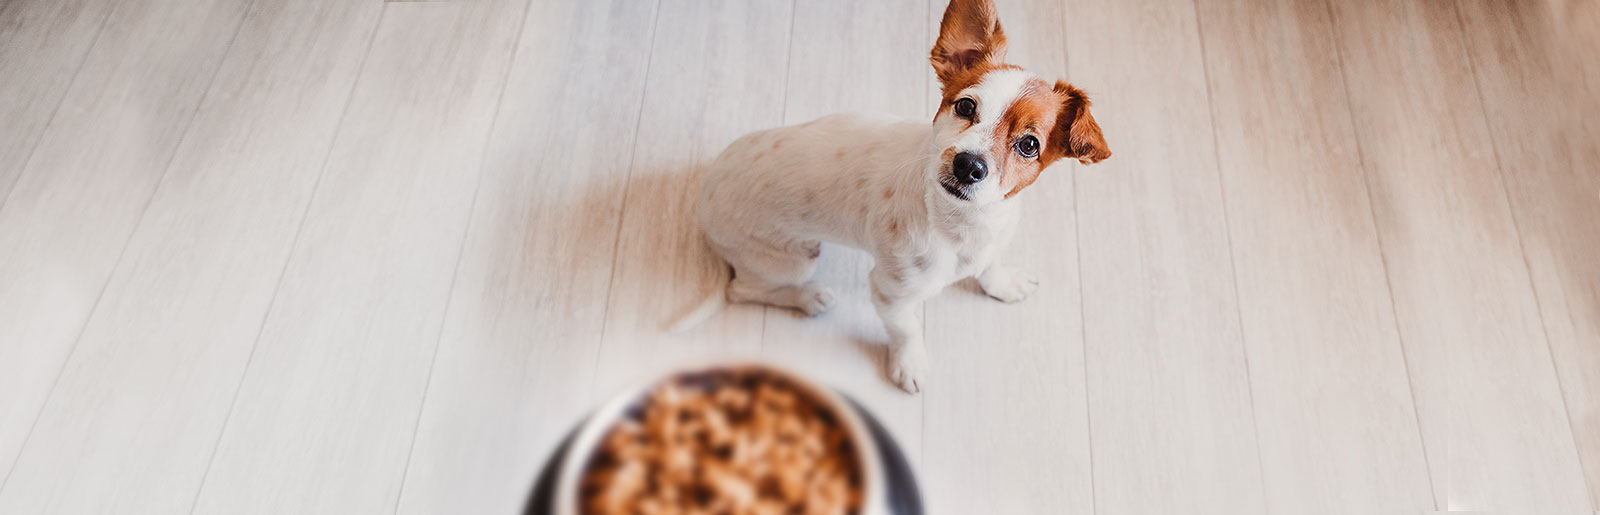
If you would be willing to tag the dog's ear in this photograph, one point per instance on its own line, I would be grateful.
(969, 37)
(1076, 134)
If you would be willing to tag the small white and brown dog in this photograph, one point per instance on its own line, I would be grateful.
(933, 205)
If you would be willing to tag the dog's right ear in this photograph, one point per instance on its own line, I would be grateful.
(969, 38)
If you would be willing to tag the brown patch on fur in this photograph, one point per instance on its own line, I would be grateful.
(1059, 118)
(880, 297)
(970, 38)
(1032, 113)
(894, 227)
(966, 79)
(777, 142)
(888, 193)
(839, 154)
(1077, 135)
(972, 44)
(816, 250)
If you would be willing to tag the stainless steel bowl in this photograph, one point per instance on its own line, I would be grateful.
(889, 485)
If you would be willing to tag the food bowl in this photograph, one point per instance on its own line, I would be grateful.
(886, 482)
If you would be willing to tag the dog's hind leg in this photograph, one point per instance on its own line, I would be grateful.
(779, 276)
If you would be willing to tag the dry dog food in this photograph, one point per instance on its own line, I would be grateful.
(725, 442)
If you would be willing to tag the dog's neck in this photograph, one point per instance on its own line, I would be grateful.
(963, 221)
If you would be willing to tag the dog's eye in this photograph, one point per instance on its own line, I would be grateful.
(1028, 146)
(966, 108)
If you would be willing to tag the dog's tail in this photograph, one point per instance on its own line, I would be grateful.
(710, 305)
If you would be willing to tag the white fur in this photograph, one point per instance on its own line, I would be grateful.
(869, 182)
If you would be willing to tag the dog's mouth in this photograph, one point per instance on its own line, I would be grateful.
(953, 189)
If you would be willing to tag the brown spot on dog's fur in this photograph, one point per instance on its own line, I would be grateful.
(1076, 134)
(839, 154)
(880, 297)
(816, 250)
(971, 45)
(894, 227)
(1032, 113)
(777, 142)
(970, 40)
(1058, 117)
(888, 193)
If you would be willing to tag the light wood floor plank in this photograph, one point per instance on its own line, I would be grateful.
(1169, 386)
(337, 376)
(1342, 260)
(1005, 414)
(92, 173)
(1539, 81)
(1489, 403)
(43, 44)
(135, 415)
(516, 360)
(716, 68)
(844, 347)
(1334, 412)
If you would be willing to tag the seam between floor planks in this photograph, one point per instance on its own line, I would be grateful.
(1383, 255)
(622, 215)
(1233, 260)
(287, 258)
(461, 248)
(22, 165)
(1522, 249)
(128, 239)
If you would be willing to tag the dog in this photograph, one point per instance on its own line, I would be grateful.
(932, 204)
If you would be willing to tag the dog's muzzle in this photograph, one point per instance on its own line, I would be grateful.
(969, 167)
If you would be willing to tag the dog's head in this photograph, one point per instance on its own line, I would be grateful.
(998, 126)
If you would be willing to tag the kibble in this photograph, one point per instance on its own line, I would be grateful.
(730, 442)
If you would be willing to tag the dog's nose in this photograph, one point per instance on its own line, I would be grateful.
(969, 168)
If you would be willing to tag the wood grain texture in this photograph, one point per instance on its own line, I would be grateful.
(91, 174)
(352, 257)
(134, 418)
(1030, 354)
(1169, 386)
(716, 67)
(1334, 413)
(844, 347)
(43, 44)
(359, 309)
(516, 360)
(1539, 82)
(1487, 397)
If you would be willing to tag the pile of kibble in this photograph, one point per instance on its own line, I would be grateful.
(725, 442)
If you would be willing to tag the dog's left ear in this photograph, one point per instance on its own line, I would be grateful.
(969, 37)
(1076, 134)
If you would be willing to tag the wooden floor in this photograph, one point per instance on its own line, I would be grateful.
(280, 256)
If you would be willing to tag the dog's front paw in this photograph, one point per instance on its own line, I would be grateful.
(816, 301)
(908, 367)
(1007, 284)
